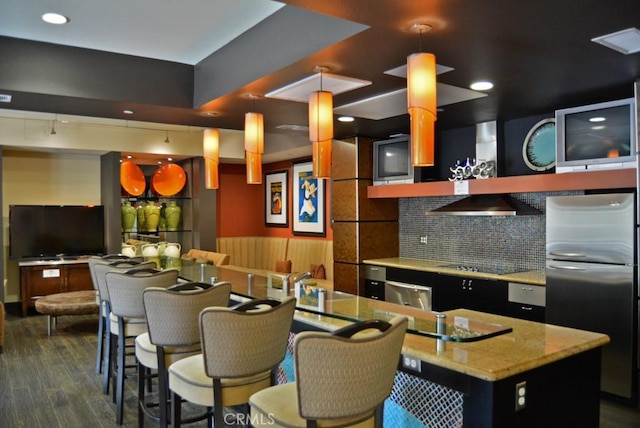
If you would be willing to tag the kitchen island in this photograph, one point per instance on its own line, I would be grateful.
(517, 373)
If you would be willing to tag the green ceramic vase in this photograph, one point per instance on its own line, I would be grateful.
(173, 214)
(128, 216)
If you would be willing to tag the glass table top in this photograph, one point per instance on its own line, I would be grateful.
(344, 306)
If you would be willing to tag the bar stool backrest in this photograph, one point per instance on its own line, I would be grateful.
(342, 377)
(239, 343)
(125, 290)
(173, 316)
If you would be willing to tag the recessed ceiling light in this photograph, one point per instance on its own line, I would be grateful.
(127, 111)
(346, 119)
(481, 85)
(55, 18)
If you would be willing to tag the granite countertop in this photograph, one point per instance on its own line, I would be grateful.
(529, 345)
(533, 277)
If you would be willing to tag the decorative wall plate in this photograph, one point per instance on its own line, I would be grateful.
(169, 179)
(132, 178)
(539, 148)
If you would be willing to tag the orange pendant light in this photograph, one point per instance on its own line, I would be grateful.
(320, 116)
(421, 97)
(210, 174)
(321, 159)
(211, 150)
(321, 129)
(254, 168)
(254, 132)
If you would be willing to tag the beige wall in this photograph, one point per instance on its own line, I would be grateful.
(36, 178)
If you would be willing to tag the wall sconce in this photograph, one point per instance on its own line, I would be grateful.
(421, 97)
(211, 152)
(321, 129)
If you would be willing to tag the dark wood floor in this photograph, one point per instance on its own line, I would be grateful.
(51, 381)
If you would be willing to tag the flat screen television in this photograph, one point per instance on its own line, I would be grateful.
(596, 136)
(53, 231)
(392, 161)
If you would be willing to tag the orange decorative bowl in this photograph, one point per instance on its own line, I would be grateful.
(132, 178)
(169, 179)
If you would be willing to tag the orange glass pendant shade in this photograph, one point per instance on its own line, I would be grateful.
(422, 137)
(211, 174)
(211, 144)
(211, 153)
(254, 132)
(254, 168)
(321, 159)
(421, 99)
(320, 116)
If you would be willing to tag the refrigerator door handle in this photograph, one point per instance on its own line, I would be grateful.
(565, 267)
(567, 254)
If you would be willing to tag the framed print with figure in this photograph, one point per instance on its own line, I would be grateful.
(276, 203)
(308, 201)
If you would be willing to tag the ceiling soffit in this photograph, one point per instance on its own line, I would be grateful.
(287, 36)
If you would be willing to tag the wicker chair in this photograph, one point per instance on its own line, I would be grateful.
(106, 259)
(241, 350)
(172, 319)
(127, 317)
(100, 269)
(341, 379)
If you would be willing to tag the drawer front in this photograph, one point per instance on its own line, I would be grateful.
(526, 312)
(528, 294)
(377, 273)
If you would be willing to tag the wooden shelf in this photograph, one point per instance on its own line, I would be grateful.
(591, 180)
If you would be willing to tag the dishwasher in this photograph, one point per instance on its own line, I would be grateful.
(417, 296)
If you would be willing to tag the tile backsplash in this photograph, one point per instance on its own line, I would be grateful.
(513, 242)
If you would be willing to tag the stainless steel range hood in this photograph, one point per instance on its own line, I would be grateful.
(487, 205)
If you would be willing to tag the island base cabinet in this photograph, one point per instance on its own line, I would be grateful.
(564, 393)
(41, 280)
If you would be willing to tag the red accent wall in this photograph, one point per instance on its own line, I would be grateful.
(241, 206)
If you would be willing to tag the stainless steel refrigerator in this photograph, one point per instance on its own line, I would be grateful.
(591, 278)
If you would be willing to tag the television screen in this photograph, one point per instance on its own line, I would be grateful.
(596, 135)
(392, 161)
(46, 231)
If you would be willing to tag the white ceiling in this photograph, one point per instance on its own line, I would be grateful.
(160, 29)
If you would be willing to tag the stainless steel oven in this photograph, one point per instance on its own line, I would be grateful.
(417, 296)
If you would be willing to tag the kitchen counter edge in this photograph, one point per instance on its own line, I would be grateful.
(532, 277)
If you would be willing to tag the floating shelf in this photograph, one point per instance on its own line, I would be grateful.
(591, 180)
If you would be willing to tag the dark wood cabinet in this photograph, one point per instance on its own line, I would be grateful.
(39, 279)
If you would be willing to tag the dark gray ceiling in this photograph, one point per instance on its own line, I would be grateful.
(539, 54)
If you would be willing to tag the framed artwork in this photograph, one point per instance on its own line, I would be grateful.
(275, 198)
(308, 201)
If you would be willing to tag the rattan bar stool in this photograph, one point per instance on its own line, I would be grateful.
(127, 317)
(241, 350)
(342, 378)
(173, 322)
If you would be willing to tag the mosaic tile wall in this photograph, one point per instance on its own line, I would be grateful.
(513, 242)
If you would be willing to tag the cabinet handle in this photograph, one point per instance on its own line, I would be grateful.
(527, 308)
(527, 289)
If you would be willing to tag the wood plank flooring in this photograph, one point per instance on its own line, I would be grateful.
(51, 381)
